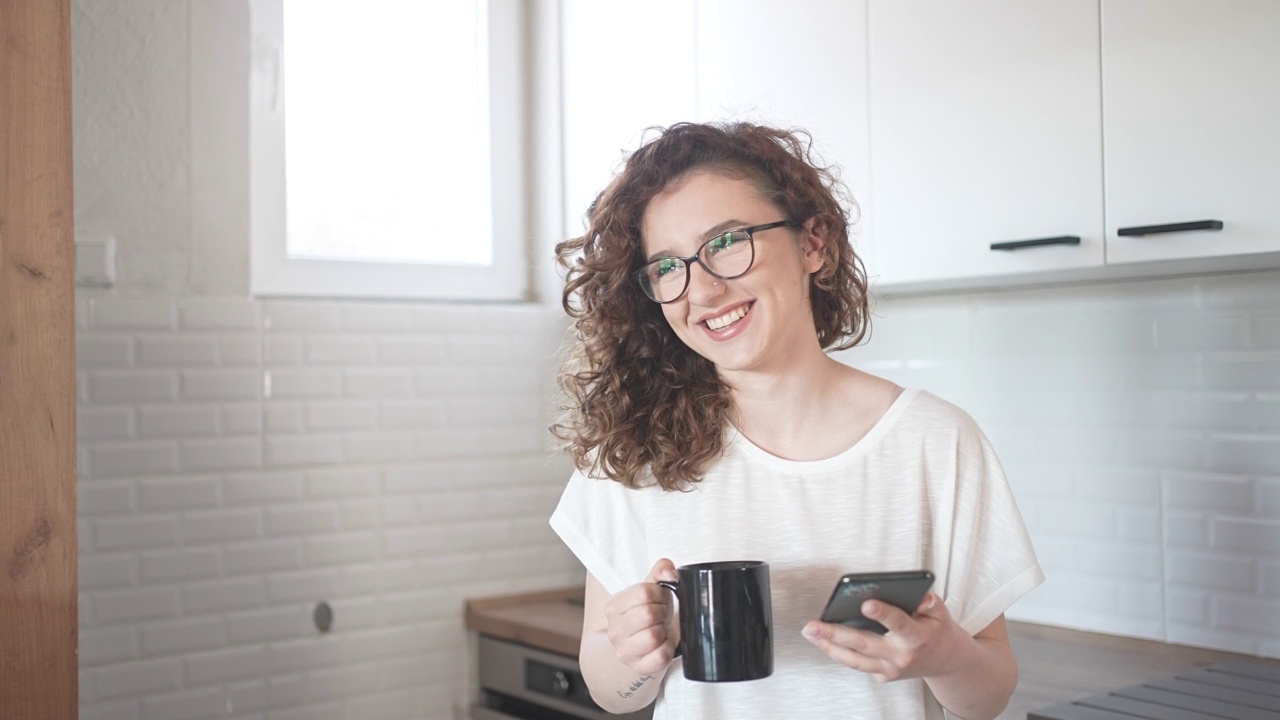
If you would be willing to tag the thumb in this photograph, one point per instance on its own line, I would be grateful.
(664, 569)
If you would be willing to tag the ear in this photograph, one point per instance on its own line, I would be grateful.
(813, 239)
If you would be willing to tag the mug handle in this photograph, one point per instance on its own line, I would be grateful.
(674, 587)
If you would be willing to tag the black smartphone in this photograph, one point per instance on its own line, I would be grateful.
(903, 589)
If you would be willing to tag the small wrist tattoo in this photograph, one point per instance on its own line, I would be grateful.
(633, 687)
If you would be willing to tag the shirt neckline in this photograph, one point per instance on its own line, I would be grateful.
(881, 426)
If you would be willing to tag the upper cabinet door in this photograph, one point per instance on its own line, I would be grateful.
(985, 128)
(795, 64)
(1191, 92)
(625, 65)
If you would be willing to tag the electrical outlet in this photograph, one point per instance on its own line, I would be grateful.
(95, 261)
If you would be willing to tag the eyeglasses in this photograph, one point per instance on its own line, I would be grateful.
(725, 256)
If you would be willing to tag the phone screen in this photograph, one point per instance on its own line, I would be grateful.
(903, 590)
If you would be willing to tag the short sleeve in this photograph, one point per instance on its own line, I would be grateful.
(597, 521)
(991, 562)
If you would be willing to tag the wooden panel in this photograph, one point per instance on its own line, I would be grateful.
(38, 673)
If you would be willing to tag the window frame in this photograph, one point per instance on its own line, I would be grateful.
(273, 273)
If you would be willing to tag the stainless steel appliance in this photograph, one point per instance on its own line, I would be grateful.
(525, 683)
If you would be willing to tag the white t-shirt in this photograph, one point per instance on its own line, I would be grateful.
(923, 489)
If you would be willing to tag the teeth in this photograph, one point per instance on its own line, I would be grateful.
(729, 318)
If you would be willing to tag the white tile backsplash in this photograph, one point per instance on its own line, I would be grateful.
(241, 461)
(226, 594)
(132, 313)
(222, 384)
(1139, 424)
(220, 314)
(177, 350)
(100, 646)
(137, 679)
(106, 387)
(172, 637)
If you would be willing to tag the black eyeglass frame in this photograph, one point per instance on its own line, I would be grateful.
(751, 231)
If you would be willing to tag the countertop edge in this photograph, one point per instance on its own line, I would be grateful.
(545, 620)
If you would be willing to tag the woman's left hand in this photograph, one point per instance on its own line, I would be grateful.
(916, 646)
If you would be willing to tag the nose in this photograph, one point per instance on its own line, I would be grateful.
(703, 286)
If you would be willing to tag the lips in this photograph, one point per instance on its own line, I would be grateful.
(726, 319)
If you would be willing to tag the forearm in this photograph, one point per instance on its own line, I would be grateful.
(614, 686)
(981, 683)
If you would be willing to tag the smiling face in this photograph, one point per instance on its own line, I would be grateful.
(756, 322)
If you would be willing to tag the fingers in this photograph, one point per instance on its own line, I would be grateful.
(654, 662)
(643, 648)
(664, 569)
(894, 619)
(641, 624)
(900, 622)
(857, 649)
(932, 606)
(915, 646)
(639, 608)
(642, 605)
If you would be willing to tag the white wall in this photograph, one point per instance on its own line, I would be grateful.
(399, 462)
(1139, 424)
(397, 466)
(241, 460)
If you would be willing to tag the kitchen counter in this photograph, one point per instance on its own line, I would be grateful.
(550, 620)
(1056, 664)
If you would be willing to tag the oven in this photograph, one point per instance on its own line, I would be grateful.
(519, 682)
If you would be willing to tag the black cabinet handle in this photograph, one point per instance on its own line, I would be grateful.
(1016, 244)
(1172, 227)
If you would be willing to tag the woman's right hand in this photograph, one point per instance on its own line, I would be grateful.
(642, 622)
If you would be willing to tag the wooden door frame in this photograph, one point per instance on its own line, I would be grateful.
(38, 609)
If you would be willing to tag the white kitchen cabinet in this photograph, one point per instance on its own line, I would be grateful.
(1191, 98)
(985, 129)
(796, 64)
(629, 65)
(625, 65)
(962, 125)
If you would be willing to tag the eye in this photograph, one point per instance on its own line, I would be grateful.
(663, 267)
(727, 241)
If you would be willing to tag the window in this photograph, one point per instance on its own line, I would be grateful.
(385, 148)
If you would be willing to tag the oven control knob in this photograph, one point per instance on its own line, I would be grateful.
(561, 684)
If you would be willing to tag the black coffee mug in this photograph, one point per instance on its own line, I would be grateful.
(726, 620)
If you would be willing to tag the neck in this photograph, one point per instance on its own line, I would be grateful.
(782, 409)
(817, 409)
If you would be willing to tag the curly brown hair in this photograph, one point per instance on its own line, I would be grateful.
(639, 401)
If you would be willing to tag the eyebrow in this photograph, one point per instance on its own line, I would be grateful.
(713, 231)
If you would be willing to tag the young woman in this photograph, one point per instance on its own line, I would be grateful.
(708, 422)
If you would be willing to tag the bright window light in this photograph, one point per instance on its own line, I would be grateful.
(386, 139)
(387, 155)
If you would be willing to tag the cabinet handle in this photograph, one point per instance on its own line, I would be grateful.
(1015, 244)
(1172, 227)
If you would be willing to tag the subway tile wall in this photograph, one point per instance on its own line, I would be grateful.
(241, 461)
(1139, 425)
